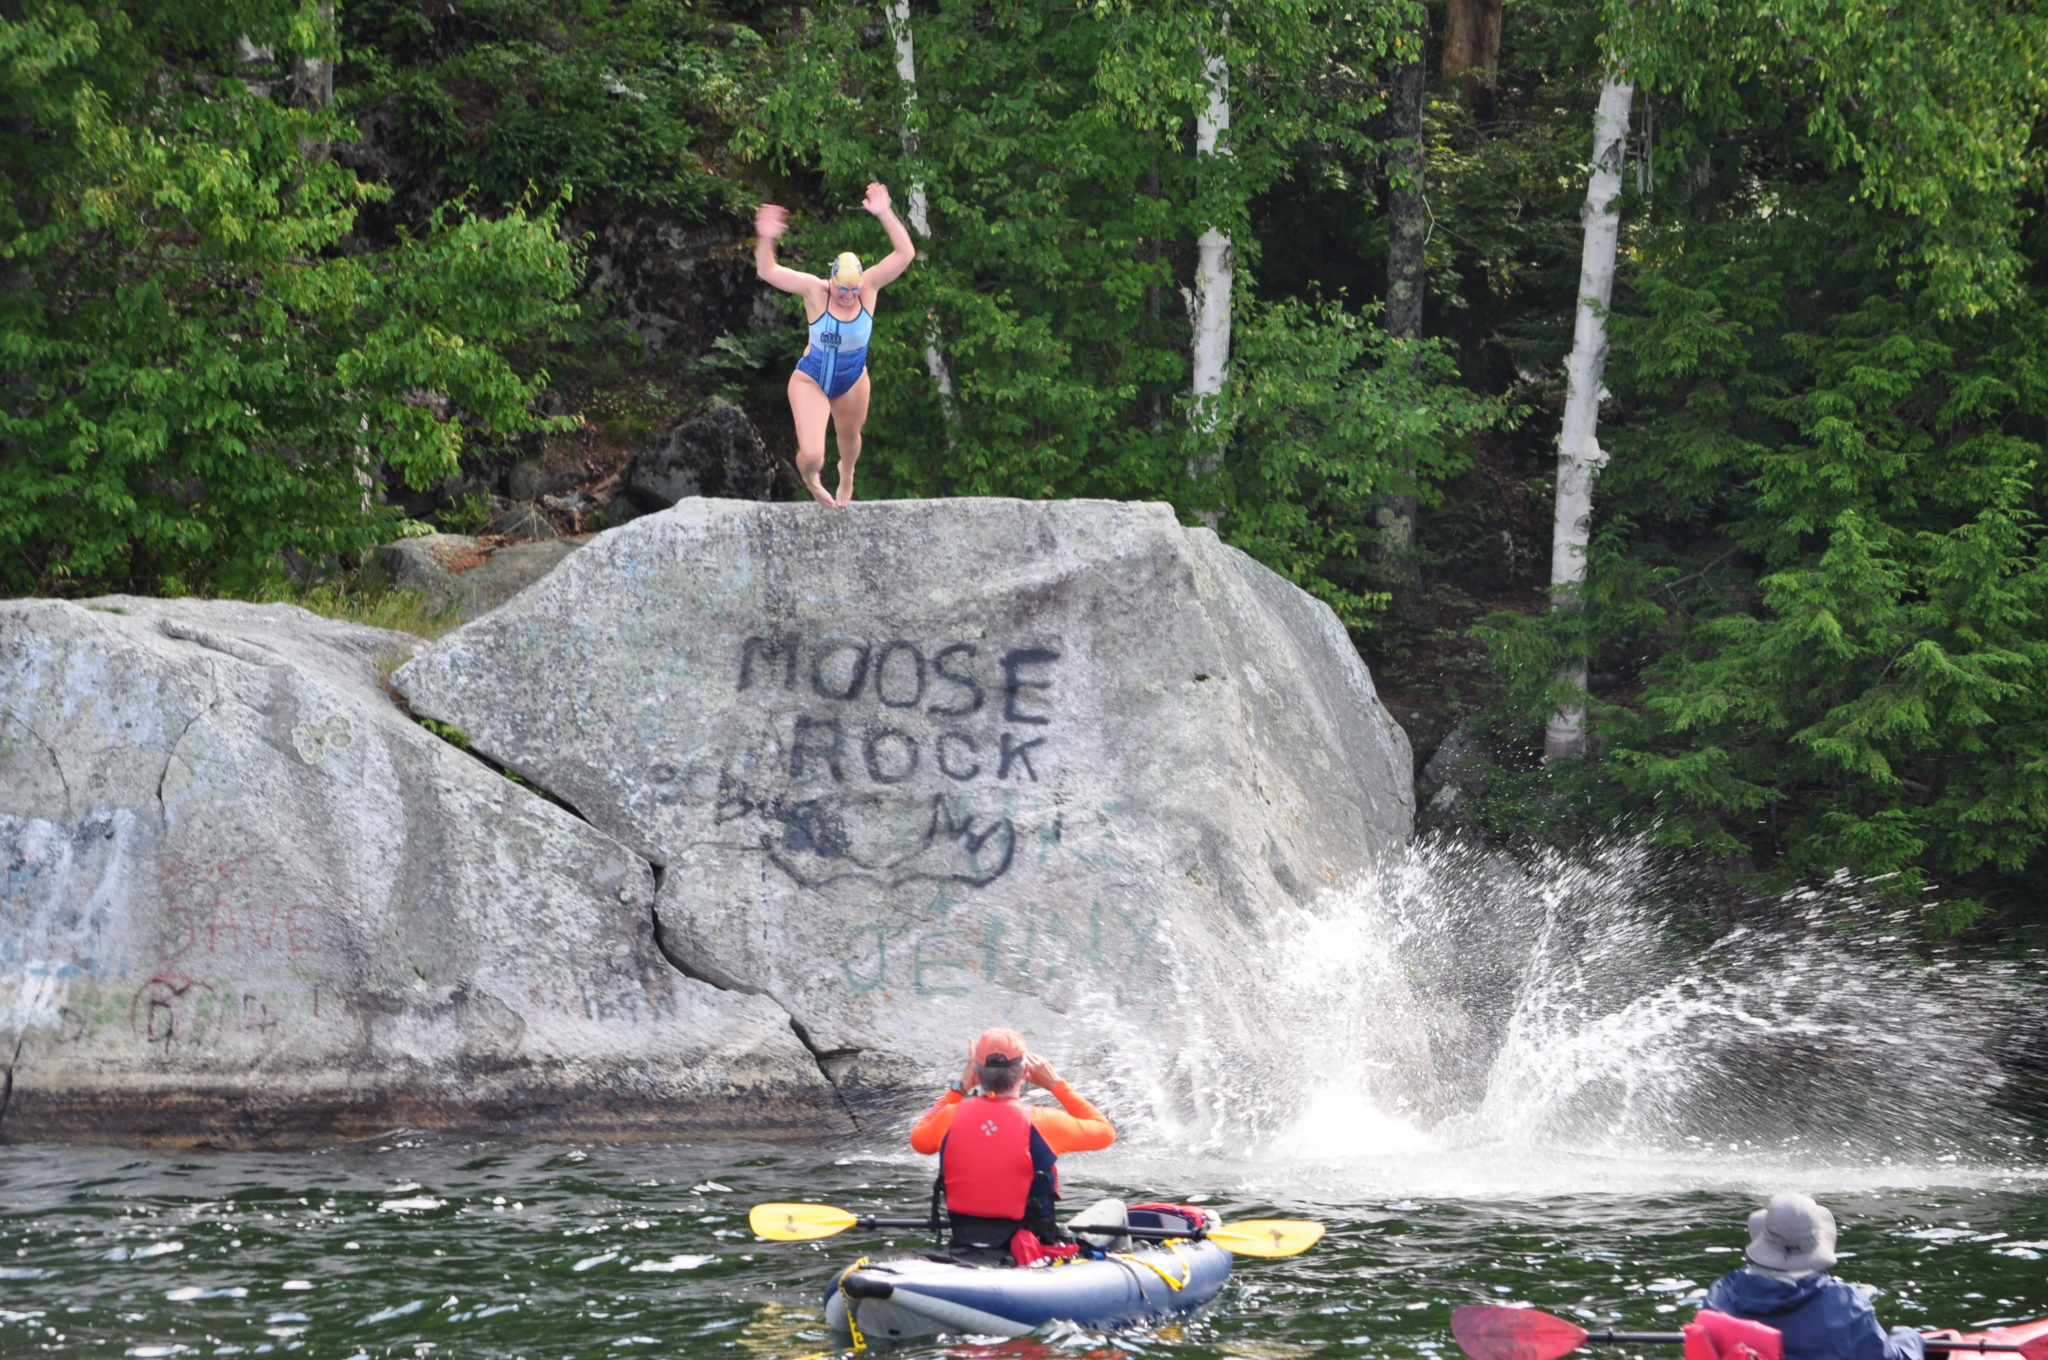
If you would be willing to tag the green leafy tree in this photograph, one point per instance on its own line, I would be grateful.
(200, 376)
(1318, 400)
(1855, 673)
(624, 105)
(1816, 584)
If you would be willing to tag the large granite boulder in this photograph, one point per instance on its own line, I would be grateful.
(912, 767)
(245, 899)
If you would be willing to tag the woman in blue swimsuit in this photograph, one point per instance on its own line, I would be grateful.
(831, 380)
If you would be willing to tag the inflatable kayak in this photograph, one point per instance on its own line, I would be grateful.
(926, 1296)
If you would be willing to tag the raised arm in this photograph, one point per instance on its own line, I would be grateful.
(1077, 1126)
(901, 252)
(933, 1124)
(770, 222)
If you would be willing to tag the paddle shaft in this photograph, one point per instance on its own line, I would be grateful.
(1147, 1234)
(1637, 1338)
(1678, 1338)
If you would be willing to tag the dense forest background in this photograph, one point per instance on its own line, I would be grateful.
(285, 279)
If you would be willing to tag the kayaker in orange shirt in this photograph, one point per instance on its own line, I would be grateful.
(998, 1156)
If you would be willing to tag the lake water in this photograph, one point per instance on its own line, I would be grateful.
(421, 1246)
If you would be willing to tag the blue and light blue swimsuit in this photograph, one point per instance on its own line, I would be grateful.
(839, 351)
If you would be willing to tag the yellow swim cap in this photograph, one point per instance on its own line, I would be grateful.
(846, 270)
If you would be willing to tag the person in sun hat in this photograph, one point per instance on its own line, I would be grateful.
(830, 384)
(1786, 1285)
(998, 1172)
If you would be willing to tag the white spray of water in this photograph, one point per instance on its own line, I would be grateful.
(1468, 1006)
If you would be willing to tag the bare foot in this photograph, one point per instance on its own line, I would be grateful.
(816, 486)
(845, 487)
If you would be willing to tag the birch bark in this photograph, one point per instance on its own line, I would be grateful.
(898, 12)
(1209, 304)
(1579, 455)
(313, 77)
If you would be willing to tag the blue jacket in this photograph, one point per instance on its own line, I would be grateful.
(1821, 1317)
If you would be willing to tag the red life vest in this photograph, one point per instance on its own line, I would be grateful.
(987, 1159)
(1719, 1336)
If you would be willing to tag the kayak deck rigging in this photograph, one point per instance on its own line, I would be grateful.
(933, 1294)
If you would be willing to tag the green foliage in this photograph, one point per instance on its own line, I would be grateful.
(1819, 566)
(199, 380)
(735, 362)
(619, 105)
(357, 601)
(447, 732)
(466, 514)
(622, 105)
(1873, 690)
(1930, 109)
(1318, 402)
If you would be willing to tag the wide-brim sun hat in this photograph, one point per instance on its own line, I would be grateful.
(1793, 1234)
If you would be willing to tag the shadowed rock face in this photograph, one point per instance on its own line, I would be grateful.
(470, 575)
(909, 768)
(245, 900)
(715, 453)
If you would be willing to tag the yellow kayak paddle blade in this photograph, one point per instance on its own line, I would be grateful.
(798, 1222)
(808, 1222)
(1267, 1236)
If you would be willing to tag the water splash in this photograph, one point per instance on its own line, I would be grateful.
(1462, 1000)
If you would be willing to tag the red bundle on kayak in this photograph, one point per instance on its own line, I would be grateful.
(1027, 1250)
(1717, 1336)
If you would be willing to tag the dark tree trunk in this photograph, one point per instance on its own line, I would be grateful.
(1407, 232)
(1472, 50)
(1155, 409)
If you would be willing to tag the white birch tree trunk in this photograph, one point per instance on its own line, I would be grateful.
(919, 214)
(1209, 304)
(1579, 456)
(313, 77)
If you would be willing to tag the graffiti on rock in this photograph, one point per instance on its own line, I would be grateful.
(878, 748)
(57, 882)
(809, 839)
(1036, 945)
(175, 1010)
(207, 910)
(908, 689)
(171, 1006)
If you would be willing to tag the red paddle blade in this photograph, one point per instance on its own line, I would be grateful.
(2033, 1348)
(1487, 1331)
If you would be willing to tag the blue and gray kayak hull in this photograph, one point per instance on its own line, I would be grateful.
(918, 1297)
